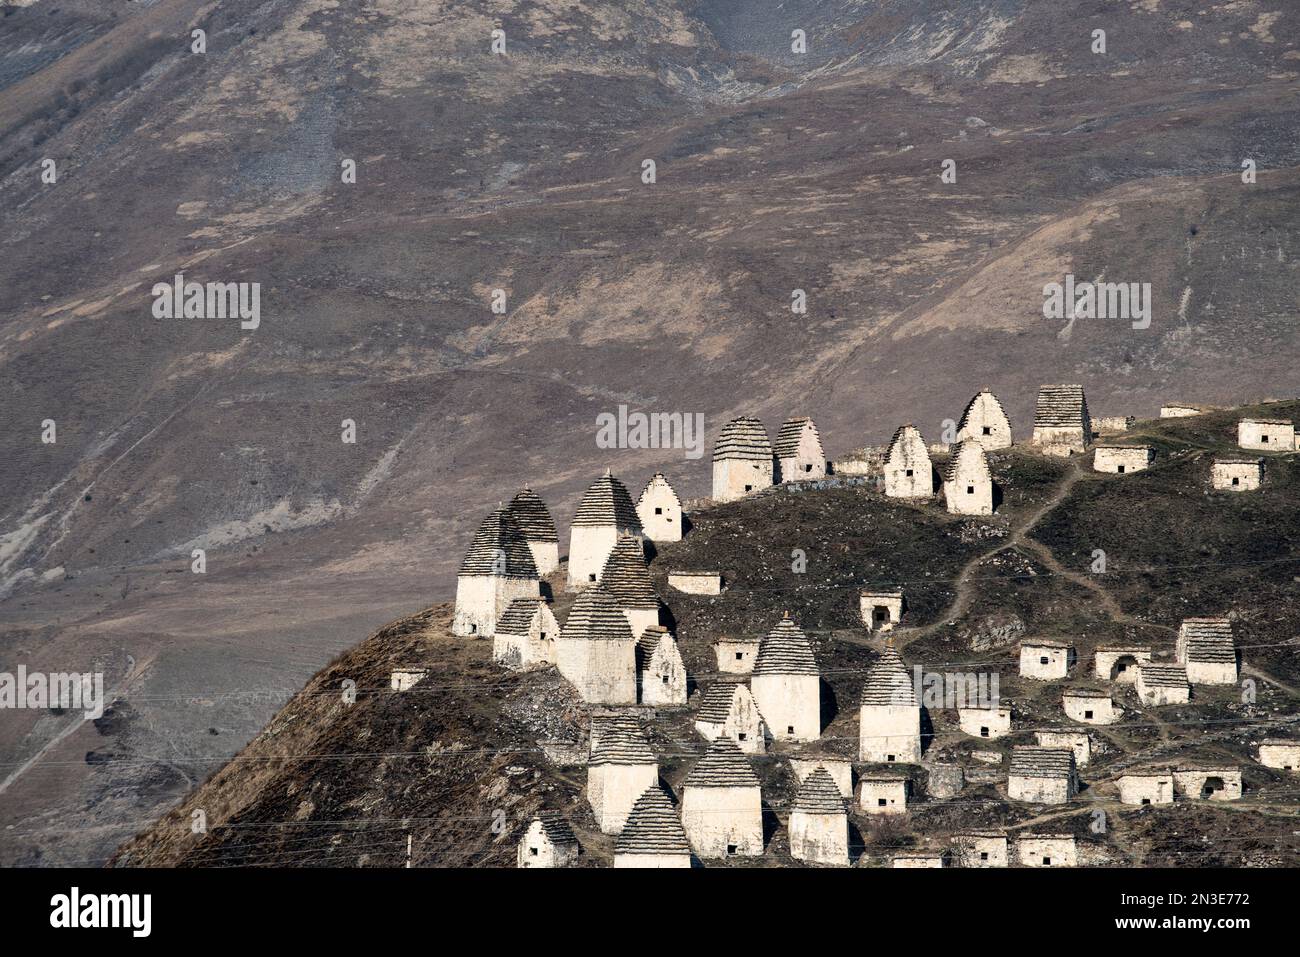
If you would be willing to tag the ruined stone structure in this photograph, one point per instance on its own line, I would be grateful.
(1208, 782)
(819, 824)
(990, 723)
(1042, 775)
(660, 671)
(1155, 786)
(728, 709)
(1090, 707)
(627, 577)
(1280, 753)
(1118, 663)
(736, 655)
(1206, 649)
(984, 421)
(605, 515)
(1047, 850)
(909, 472)
(1266, 435)
(548, 841)
(1076, 741)
(404, 679)
(918, 860)
(889, 716)
(1122, 459)
(787, 685)
(967, 481)
(696, 582)
(660, 511)
(1237, 473)
(1112, 424)
(881, 610)
(497, 569)
(1045, 659)
(596, 651)
(534, 520)
(1062, 425)
(722, 805)
(883, 792)
(621, 767)
(1160, 684)
(742, 460)
(653, 837)
(526, 634)
(840, 769)
(980, 849)
(798, 451)
(944, 780)
(1182, 410)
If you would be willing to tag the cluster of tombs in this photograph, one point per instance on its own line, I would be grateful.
(766, 694)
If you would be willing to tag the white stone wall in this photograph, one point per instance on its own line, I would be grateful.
(1146, 789)
(986, 424)
(1179, 411)
(538, 647)
(603, 671)
(1211, 673)
(970, 490)
(1284, 757)
(1224, 784)
(928, 861)
(536, 849)
(1111, 424)
(1059, 441)
(808, 462)
(1122, 461)
(735, 656)
(1033, 665)
(1236, 476)
(1088, 710)
(819, 838)
(639, 619)
(1106, 664)
(1076, 741)
(987, 723)
(612, 789)
(652, 861)
(869, 603)
(745, 724)
(1266, 436)
(589, 547)
(1039, 790)
(978, 850)
(889, 733)
(406, 679)
(480, 600)
(663, 682)
(1047, 852)
(736, 478)
(882, 797)
(840, 770)
(546, 556)
(715, 818)
(660, 512)
(789, 701)
(909, 472)
(696, 584)
(1158, 697)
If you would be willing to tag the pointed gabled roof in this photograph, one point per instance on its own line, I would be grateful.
(627, 577)
(715, 706)
(785, 651)
(607, 502)
(818, 794)
(1032, 761)
(1208, 640)
(532, 516)
(1060, 406)
(659, 481)
(723, 766)
(499, 535)
(518, 616)
(596, 616)
(652, 827)
(557, 828)
(624, 745)
(909, 433)
(1162, 676)
(743, 438)
(787, 440)
(967, 453)
(888, 682)
(988, 396)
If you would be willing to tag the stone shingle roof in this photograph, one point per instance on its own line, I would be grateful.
(1238, 460)
(657, 482)
(518, 616)
(785, 651)
(818, 794)
(607, 502)
(1060, 406)
(627, 577)
(622, 744)
(1163, 676)
(1207, 640)
(557, 828)
(715, 705)
(652, 827)
(743, 438)
(723, 766)
(888, 681)
(787, 440)
(897, 438)
(499, 534)
(1031, 761)
(962, 453)
(532, 516)
(596, 616)
(970, 407)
